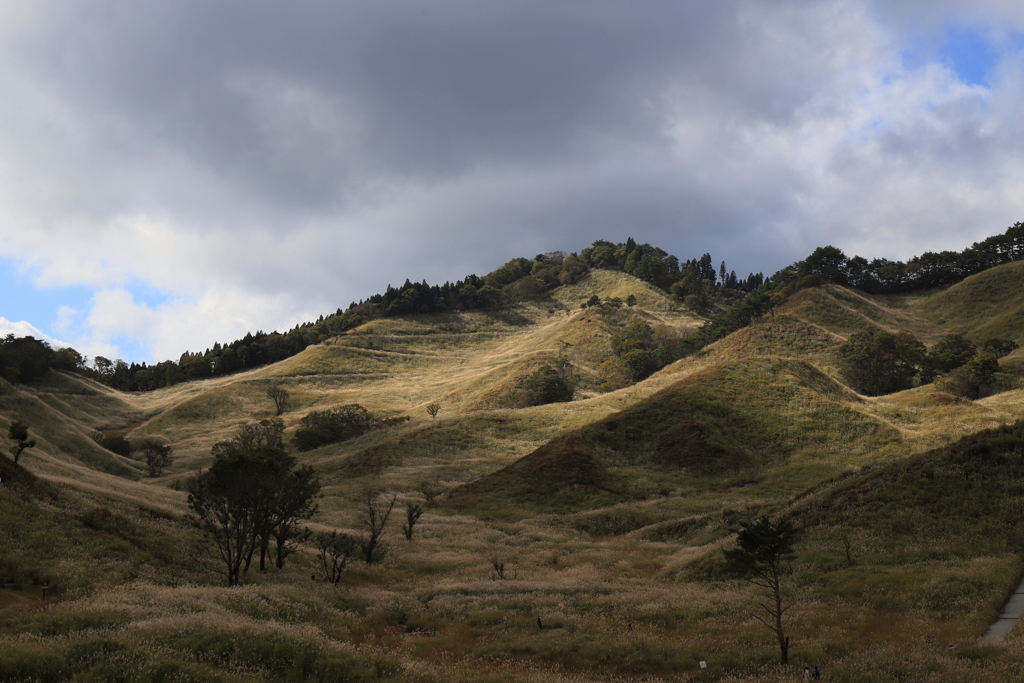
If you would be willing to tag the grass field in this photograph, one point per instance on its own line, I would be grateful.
(608, 514)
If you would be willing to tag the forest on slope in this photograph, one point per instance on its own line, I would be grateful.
(694, 283)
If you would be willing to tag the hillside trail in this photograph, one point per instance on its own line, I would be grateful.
(1012, 613)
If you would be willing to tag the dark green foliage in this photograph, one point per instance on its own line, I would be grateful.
(926, 271)
(253, 493)
(156, 454)
(763, 549)
(116, 443)
(999, 347)
(643, 350)
(881, 363)
(949, 353)
(320, 428)
(828, 263)
(974, 380)
(18, 433)
(548, 384)
(24, 360)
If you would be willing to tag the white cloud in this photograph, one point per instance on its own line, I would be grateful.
(281, 168)
(22, 328)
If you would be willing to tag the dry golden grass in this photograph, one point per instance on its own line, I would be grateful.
(632, 591)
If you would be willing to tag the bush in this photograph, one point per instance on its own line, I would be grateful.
(547, 385)
(324, 427)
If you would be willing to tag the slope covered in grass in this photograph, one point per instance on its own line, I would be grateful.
(735, 424)
(984, 306)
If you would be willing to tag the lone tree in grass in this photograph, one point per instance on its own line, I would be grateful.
(763, 549)
(433, 409)
(280, 398)
(335, 550)
(253, 493)
(156, 454)
(376, 507)
(18, 433)
(413, 512)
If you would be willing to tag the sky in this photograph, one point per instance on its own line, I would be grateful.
(178, 173)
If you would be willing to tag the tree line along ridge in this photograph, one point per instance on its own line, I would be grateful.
(728, 302)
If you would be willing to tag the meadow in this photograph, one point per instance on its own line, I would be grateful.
(607, 515)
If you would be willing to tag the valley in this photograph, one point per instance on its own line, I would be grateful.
(602, 519)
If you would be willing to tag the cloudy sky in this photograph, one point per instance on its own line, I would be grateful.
(178, 173)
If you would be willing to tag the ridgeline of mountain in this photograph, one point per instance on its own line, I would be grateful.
(692, 411)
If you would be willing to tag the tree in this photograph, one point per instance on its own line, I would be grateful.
(546, 385)
(252, 494)
(280, 398)
(335, 550)
(413, 512)
(431, 489)
(156, 454)
(882, 363)
(373, 516)
(949, 353)
(974, 380)
(293, 501)
(433, 409)
(18, 432)
(763, 548)
(999, 347)
(222, 504)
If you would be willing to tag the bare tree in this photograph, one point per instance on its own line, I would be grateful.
(498, 564)
(413, 511)
(280, 398)
(376, 508)
(847, 549)
(433, 409)
(335, 550)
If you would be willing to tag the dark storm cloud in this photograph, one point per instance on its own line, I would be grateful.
(420, 90)
(264, 162)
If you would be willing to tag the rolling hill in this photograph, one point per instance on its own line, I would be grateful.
(608, 513)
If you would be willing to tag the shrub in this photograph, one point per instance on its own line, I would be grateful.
(546, 385)
(324, 427)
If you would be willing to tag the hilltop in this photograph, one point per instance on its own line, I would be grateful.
(607, 511)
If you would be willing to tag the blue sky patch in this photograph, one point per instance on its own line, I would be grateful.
(969, 54)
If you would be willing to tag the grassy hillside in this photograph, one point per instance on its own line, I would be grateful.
(768, 425)
(985, 306)
(608, 513)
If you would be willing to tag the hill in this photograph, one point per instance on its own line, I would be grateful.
(989, 305)
(607, 514)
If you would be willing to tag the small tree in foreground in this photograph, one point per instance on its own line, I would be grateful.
(763, 548)
(18, 432)
(335, 550)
